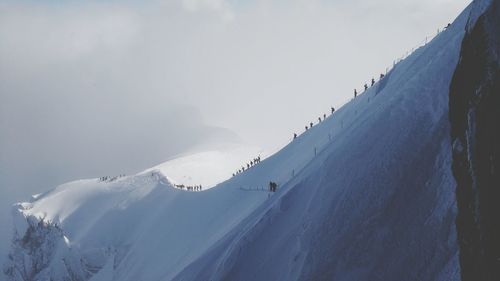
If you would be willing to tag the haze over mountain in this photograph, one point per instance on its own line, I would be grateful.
(399, 183)
(382, 189)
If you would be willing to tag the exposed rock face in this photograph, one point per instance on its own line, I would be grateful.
(475, 117)
(40, 252)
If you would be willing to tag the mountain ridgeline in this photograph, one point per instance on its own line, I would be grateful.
(401, 183)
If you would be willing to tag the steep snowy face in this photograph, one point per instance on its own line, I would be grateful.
(474, 116)
(377, 203)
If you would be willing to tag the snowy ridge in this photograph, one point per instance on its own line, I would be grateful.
(208, 167)
(367, 194)
(378, 201)
(130, 217)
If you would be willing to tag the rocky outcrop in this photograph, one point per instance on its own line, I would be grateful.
(40, 251)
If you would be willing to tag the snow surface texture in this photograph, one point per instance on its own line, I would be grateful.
(367, 194)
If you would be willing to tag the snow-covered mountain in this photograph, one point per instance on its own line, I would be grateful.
(367, 194)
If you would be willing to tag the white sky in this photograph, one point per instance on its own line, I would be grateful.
(92, 88)
(262, 69)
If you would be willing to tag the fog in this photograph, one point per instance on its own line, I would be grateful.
(96, 88)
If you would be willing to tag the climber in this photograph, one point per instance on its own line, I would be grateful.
(355, 93)
(333, 109)
(366, 87)
(373, 81)
(272, 186)
(382, 76)
(294, 135)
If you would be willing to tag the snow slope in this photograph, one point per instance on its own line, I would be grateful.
(378, 202)
(367, 194)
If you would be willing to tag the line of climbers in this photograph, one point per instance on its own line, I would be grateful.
(110, 179)
(307, 127)
(312, 124)
(272, 185)
(366, 85)
(189, 187)
(382, 76)
(248, 165)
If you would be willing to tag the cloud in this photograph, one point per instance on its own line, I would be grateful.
(221, 7)
(194, 5)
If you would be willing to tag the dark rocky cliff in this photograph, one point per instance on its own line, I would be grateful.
(475, 131)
